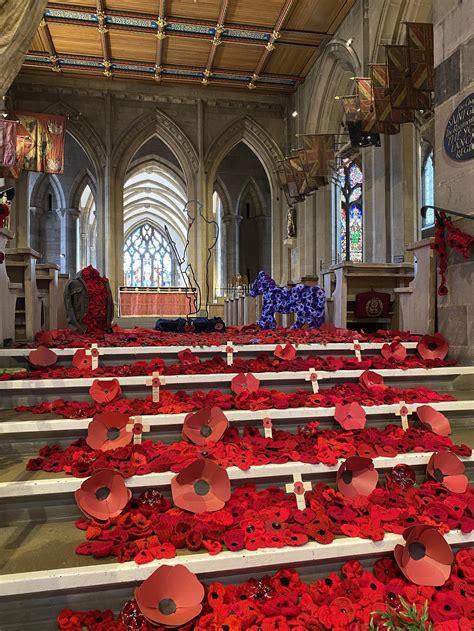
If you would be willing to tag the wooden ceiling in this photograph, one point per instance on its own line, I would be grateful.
(255, 44)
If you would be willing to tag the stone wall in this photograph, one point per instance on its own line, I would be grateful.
(454, 78)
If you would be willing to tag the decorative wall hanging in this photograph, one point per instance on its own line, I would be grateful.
(372, 304)
(8, 138)
(306, 302)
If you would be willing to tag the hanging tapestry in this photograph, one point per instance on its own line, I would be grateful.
(40, 144)
(387, 122)
(8, 138)
(421, 55)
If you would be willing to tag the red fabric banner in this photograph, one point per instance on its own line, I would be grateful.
(8, 137)
(155, 303)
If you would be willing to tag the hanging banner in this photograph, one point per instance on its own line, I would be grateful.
(319, 155)
(351, 107)
(289, 183)
(367, 108)
(8, 136)
(40, 144)
(421, 55)
(383, 107)
(299, 176)
(402, 93)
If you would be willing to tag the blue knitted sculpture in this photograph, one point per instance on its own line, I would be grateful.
(307, 302)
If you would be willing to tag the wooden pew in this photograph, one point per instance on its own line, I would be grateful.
(47, 284)
(21, 269)
(8, 293)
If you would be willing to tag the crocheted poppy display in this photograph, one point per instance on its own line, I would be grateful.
(108, 431)
(82, 366)
(433, 347)
(287, 352)
(103, 496)
(394, 351)
(350, 416)
(205, 426)
(245, 450)
(448, 470)
(254, 518)
(426, 557)
(262, 399)
(343, 600)
(96, 316)
(202, 486)
(171, 596)
(244, 383)
(250, 334)
(434, 420)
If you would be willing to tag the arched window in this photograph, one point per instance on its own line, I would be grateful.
(349, 210)
(88, 229)
(148, 259)
(427, 185)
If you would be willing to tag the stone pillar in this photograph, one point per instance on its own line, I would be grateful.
(264, 245)
(231, 223)
(72, 216)
(22, 211)
(52, 239)
(454, 179)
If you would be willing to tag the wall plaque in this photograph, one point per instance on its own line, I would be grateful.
(459, 133)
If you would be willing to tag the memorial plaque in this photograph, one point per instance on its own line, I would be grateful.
(459, 133)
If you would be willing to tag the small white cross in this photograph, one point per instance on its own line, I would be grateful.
(298, 487)
(404, 411)
(313, 377)
(357, 350)
(230, 350)
(93, 352)
(155, 381)
(137, 427)
(267, 427)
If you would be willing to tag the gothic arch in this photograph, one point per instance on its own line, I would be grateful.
(169, 132)
(251, 190)
(83, 179)
(40, 189)
(221, 190)
(254, 136)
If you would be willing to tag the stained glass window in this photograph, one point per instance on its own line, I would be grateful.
(427, 187)
(148, 260)
(350, 180)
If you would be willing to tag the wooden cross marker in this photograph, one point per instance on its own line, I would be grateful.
(137, 428)
(404, 411)
(268, 427)
(230, 350)
(357, 350)
(298, 487)
(93, 352)
(313, 378)
(155, 381)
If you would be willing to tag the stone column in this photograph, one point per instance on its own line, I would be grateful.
(22, 211)
(231, 223)
(264, 243)
(72, 216)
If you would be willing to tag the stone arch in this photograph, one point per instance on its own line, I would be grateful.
(41, 187)
(83, 179)
(221, 190)
(252, 190)
(248, 131)
(169, 132)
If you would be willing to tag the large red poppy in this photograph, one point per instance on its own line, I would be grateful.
(371, 379)
(395, 351)
(202, 486)
(204, 426)
(426, 558)
(357, 476)
(187, 357)
(245, 382)
(170, 597)
(42, 357)
(81, 360)
(103, 496)
(446, 468)
(434, 420)
(105, 390)
(350, 416)
(108, 431)
(287, 352)
(433, 347)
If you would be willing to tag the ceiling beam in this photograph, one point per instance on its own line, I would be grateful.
(271, 44)
(216, 41)
(160, 39)
(47, 41)
(104, 37)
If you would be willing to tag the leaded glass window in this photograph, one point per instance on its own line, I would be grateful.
(427, 187)
(350, 180)
(148, 259)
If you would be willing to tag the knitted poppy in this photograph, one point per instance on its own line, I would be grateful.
(394, 351)
(171, 596)
(286, 353)
(81, 360)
